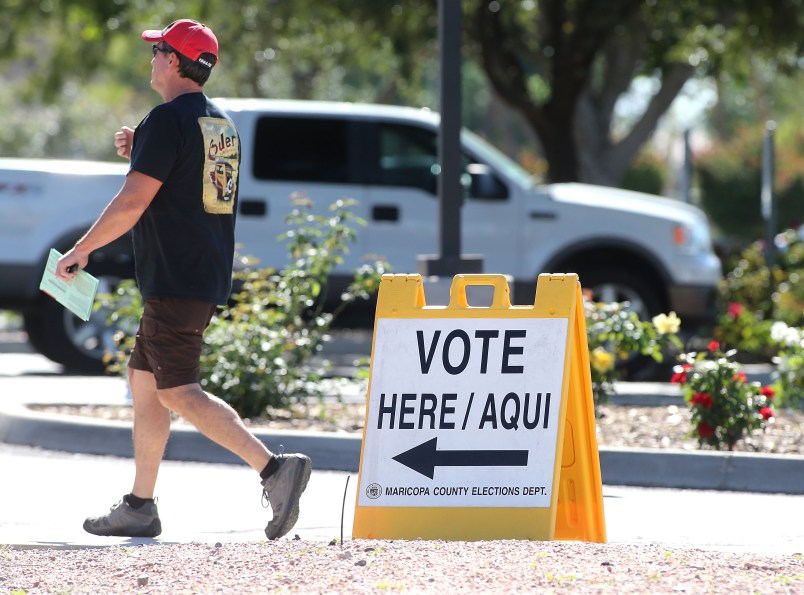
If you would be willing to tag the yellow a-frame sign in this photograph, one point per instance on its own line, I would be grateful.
(479, 420)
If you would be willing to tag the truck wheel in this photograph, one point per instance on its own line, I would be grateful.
(32, 323)
(66, 339)
(612, 285)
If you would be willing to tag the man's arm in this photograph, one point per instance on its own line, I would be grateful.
(119, 216)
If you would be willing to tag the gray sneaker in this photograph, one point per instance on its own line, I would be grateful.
(283, 489)
(124, 521)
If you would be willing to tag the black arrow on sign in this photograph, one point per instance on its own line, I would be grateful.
(425, 458)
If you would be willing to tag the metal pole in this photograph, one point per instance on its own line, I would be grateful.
(449, 140)
(768, 210)
(449, 261)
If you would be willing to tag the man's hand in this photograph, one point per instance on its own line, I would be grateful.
(68, 265)
(123, 139)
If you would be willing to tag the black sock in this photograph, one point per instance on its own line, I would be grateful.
(136, 502)
(270, 468)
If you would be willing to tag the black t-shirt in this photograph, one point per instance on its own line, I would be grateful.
(184, 241)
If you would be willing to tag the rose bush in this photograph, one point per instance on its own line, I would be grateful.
(789, 364)
(746, 329)
(616, 334)
(753, 295)
(725, 406)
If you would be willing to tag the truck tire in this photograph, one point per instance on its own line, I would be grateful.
(32, 323)
(64, 338)
(615, 285)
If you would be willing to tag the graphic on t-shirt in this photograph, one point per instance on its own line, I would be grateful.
(221, 165)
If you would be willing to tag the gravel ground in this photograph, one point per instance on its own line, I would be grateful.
(396, 566)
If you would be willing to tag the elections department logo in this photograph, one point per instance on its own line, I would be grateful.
(374, 491)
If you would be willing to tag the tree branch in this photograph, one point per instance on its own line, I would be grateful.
(674, 77)
(503, 66)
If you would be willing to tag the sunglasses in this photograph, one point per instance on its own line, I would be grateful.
(155, 48)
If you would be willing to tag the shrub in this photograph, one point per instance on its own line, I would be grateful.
(748, 282)
(616, 334)
(124, 308)
(258, 351)
(746, 330)
(725, 407)
(788, 276)
(753, 296)
(789, 364)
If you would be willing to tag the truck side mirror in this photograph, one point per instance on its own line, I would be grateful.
(484, 184)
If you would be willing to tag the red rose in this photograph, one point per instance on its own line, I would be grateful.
(714, 346)
(740, 377)
(705, 430)
(766, 412)
(702, 399)
(767, 392)
(735, 309)
(680, 376)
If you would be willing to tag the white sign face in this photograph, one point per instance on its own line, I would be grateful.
(463, 412)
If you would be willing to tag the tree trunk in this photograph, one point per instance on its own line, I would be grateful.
(572, 37)
(560, 148)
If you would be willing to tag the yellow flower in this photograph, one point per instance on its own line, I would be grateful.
(666, 323)
(601, 360)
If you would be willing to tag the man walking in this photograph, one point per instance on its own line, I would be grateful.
(180, 198)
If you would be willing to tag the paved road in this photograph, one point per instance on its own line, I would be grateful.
(46, 495)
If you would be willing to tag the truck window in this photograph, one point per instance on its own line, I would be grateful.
(301, 149)
(407, 157)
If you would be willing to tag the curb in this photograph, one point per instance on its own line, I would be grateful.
(700, 470)
(742, 472)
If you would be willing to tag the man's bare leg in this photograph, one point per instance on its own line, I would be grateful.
(151, 431)
(284, 478)
(217, 421)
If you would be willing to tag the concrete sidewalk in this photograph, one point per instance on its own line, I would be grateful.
(708, 470)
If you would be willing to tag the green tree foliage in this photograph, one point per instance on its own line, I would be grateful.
(337, 50)
(347, 51)
(753, 92)
(54, 40)
(563, 64)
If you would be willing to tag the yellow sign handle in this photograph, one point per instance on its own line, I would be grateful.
(502, 293)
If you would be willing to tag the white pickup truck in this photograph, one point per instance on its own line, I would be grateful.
(652, 251)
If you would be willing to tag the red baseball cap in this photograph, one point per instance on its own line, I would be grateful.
(189, 38)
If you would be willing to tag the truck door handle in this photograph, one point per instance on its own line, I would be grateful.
(542, 215)
(253, 208)
(385, 213)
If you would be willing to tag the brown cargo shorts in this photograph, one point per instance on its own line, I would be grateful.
(169, 339)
